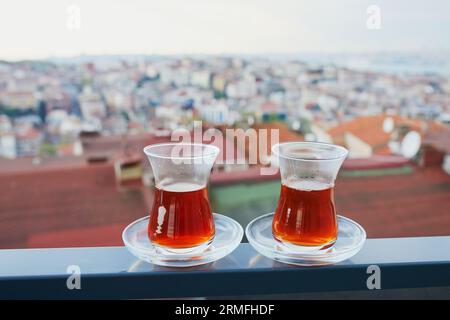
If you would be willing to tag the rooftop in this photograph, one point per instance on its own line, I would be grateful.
(398, 205)
(70, 201)
(370, 129)
(63, 195)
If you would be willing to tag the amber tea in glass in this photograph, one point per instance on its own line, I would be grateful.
(181, 219)
(305, 217)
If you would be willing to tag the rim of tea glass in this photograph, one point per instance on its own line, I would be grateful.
(276, 147)
(214, 150)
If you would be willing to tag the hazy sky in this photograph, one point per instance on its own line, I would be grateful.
(38, 28)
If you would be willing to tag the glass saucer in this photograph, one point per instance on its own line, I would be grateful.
(351, 238)
(228, 236)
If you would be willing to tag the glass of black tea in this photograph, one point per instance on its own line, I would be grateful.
(305, 218)
(181, 219)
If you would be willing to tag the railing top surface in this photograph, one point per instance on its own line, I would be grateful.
(112, 272)
(110, 260)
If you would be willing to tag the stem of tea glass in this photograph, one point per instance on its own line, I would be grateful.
(305, 219)
(181, 219)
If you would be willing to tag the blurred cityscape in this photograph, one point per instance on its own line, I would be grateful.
(72, 131)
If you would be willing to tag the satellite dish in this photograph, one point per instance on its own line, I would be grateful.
(388, 125)
(410, 144)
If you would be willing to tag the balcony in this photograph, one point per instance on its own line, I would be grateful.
(414, 267)
(409, 268)
(79, 103)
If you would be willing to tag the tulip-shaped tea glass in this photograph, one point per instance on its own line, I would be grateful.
(305, 219)
(181, 219)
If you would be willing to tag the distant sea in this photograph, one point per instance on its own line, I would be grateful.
(393, 63)
(437, 63)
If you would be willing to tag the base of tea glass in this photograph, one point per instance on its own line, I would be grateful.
(200, 248)
(228, 236)
(305, 249)
(350, 239)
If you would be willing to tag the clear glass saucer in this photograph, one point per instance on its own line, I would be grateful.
(351, 238)
(228, 235)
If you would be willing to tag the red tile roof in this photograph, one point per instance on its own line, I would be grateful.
(112, 145)
(65, 196)
(375, 162)
(284, 135)
(439, 140)
(415, 204)
(370, 130)
(228, 150)
(102, 236)
(252, 174)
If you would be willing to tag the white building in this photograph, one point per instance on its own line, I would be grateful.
(243, 88)
(91, 104)
(8, 148)
(7, 139)
(216, 113)
(201, 79)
